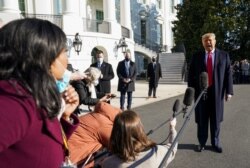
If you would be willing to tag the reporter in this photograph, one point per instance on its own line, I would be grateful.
(32, 73)
(93, 133)
(132, 148)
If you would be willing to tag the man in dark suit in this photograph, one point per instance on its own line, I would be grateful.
(220, 85)
(126, 72)
(104, 84)
(153, 75)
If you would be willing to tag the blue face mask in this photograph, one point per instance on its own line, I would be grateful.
(64, 82)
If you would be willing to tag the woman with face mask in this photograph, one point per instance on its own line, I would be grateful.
(36, 100)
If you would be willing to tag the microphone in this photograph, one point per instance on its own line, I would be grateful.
(176, 107)
(189, 96)
(204, 84)
(188, 99)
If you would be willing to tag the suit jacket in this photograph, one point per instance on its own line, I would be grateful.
(222, 79)
(108, 74)
(154, 74)
(27, 139)
(121, 73)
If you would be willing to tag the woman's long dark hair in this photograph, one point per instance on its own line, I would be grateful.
(128, 138)
(28, 47)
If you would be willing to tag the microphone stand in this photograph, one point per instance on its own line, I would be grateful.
(181, 130)
(165, 122)
(156, 128)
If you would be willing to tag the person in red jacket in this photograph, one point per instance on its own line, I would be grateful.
(35, 98)
(93, 133)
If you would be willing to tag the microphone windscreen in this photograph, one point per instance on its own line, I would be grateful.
(203, 80)
(189, 96)
(176, 106)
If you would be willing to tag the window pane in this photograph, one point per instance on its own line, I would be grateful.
(21, 5)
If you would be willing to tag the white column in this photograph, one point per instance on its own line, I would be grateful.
(83, 7)
(109, 16)
(43, 7)
(125, 14)
(72, 21)
(9, 10)
(9, 6)
(167, 35)
(109, 10)
(70, 7)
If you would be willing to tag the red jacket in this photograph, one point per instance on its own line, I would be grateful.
(27, 140)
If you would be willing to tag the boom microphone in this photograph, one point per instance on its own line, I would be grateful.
(176, 107)
(188, 99)
(189, 96)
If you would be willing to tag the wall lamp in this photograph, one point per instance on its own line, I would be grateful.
(77, 43)
(122, 44)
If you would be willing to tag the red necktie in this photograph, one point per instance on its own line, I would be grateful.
(210, 68)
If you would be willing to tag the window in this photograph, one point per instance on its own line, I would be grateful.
(21, 5)
(99, 15)
(58, 7)
(143, 32)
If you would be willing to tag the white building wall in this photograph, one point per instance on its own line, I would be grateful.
(74, 11)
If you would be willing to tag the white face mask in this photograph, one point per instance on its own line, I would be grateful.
(100, 60)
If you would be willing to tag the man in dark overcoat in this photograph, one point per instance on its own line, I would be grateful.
(220, 87)
(126, 72)
(153, 75)
(107, 75)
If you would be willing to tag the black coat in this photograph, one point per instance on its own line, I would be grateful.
(121, 73)
(84, 94)
(154, 74)
(222, 77)
(108, 74)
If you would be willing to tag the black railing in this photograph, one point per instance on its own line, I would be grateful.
(56, 19)
(99, 26)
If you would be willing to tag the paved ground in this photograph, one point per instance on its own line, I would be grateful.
(235, 133)
(140, 94)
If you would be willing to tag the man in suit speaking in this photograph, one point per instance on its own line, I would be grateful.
(220, 86)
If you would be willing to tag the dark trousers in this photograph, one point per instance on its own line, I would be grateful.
(152, 89)
(122, 99)
(208, 116)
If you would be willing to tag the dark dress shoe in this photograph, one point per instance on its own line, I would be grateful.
(217, 149)
(200, 148)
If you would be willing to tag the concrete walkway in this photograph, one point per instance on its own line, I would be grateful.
(164, 91)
